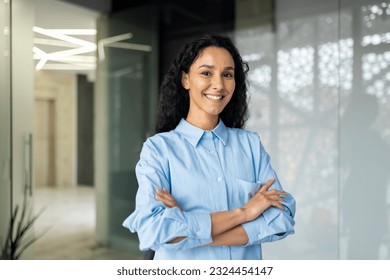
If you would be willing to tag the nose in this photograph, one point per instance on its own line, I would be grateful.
(217, 83)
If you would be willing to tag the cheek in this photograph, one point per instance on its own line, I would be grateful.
(228, 99)
(198, 83)
(202, 84)
(231, 87)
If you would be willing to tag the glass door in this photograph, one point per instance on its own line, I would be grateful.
(16, 95)
(126, 94)
(49, 54)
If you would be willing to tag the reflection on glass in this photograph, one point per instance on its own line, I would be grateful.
(293, 106)
(364, 135)
(295, 72)
(320, 99)
(366, 163)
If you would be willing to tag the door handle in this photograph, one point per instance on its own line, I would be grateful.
(28, 164)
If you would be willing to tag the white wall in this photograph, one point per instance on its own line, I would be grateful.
(5, 120)
(22, 96)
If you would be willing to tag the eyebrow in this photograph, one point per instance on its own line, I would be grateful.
(212, 66)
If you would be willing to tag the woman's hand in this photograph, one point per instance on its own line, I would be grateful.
(262, 200)
(166, 198)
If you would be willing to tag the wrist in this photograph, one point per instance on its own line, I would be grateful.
(242, 215)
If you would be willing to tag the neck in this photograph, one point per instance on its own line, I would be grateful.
(205, 123)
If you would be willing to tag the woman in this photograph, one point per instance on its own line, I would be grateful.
(206, 186)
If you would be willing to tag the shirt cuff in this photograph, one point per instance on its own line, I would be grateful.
(199, 225)
(198, 232)
(270, 214)
(272, 225)
(257, 231)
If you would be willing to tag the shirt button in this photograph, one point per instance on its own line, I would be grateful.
(198, 233)
(259, 236)
(219, 179)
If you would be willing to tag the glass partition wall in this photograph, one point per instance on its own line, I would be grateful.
(294, 98)
(126, 93)
(319, 97)
(364, 150)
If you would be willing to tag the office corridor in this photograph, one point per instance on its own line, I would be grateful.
(68, 227)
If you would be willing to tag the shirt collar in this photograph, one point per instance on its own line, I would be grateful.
(193, 134)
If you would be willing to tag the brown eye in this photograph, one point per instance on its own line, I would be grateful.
(206, 73)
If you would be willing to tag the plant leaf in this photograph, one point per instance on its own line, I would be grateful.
(29, 243)
(26, 227)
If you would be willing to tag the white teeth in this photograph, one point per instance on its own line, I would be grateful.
(214, 97)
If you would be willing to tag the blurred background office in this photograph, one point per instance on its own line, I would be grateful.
(79, 84)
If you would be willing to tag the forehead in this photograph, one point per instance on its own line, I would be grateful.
(215, 56)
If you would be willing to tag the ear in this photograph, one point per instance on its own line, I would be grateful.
(184, 80)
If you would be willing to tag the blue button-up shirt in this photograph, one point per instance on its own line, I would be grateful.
(206, 172)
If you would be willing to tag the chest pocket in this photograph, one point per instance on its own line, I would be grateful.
(244, 190)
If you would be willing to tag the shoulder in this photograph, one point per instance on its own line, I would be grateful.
(160, 142)
(244, 134)
(247, 140)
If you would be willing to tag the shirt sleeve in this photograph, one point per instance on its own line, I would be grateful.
(156, 224)
(274, 224)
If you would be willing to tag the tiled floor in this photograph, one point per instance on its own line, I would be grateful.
(68, 226)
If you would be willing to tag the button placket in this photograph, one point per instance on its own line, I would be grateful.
(210, 144)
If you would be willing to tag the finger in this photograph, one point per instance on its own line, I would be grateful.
(276, 192)
(170, 205)
(171, 201)
(166, 197)
(164, 189)
(166, 194)
(275, 197)
(161, 195)
(267, 184)
(163, 192)
(158, 193)
(278, 205)
(166, 202)
(284, 194)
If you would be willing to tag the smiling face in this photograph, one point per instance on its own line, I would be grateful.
(210, 83)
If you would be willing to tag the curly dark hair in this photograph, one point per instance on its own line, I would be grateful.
(174, 100)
